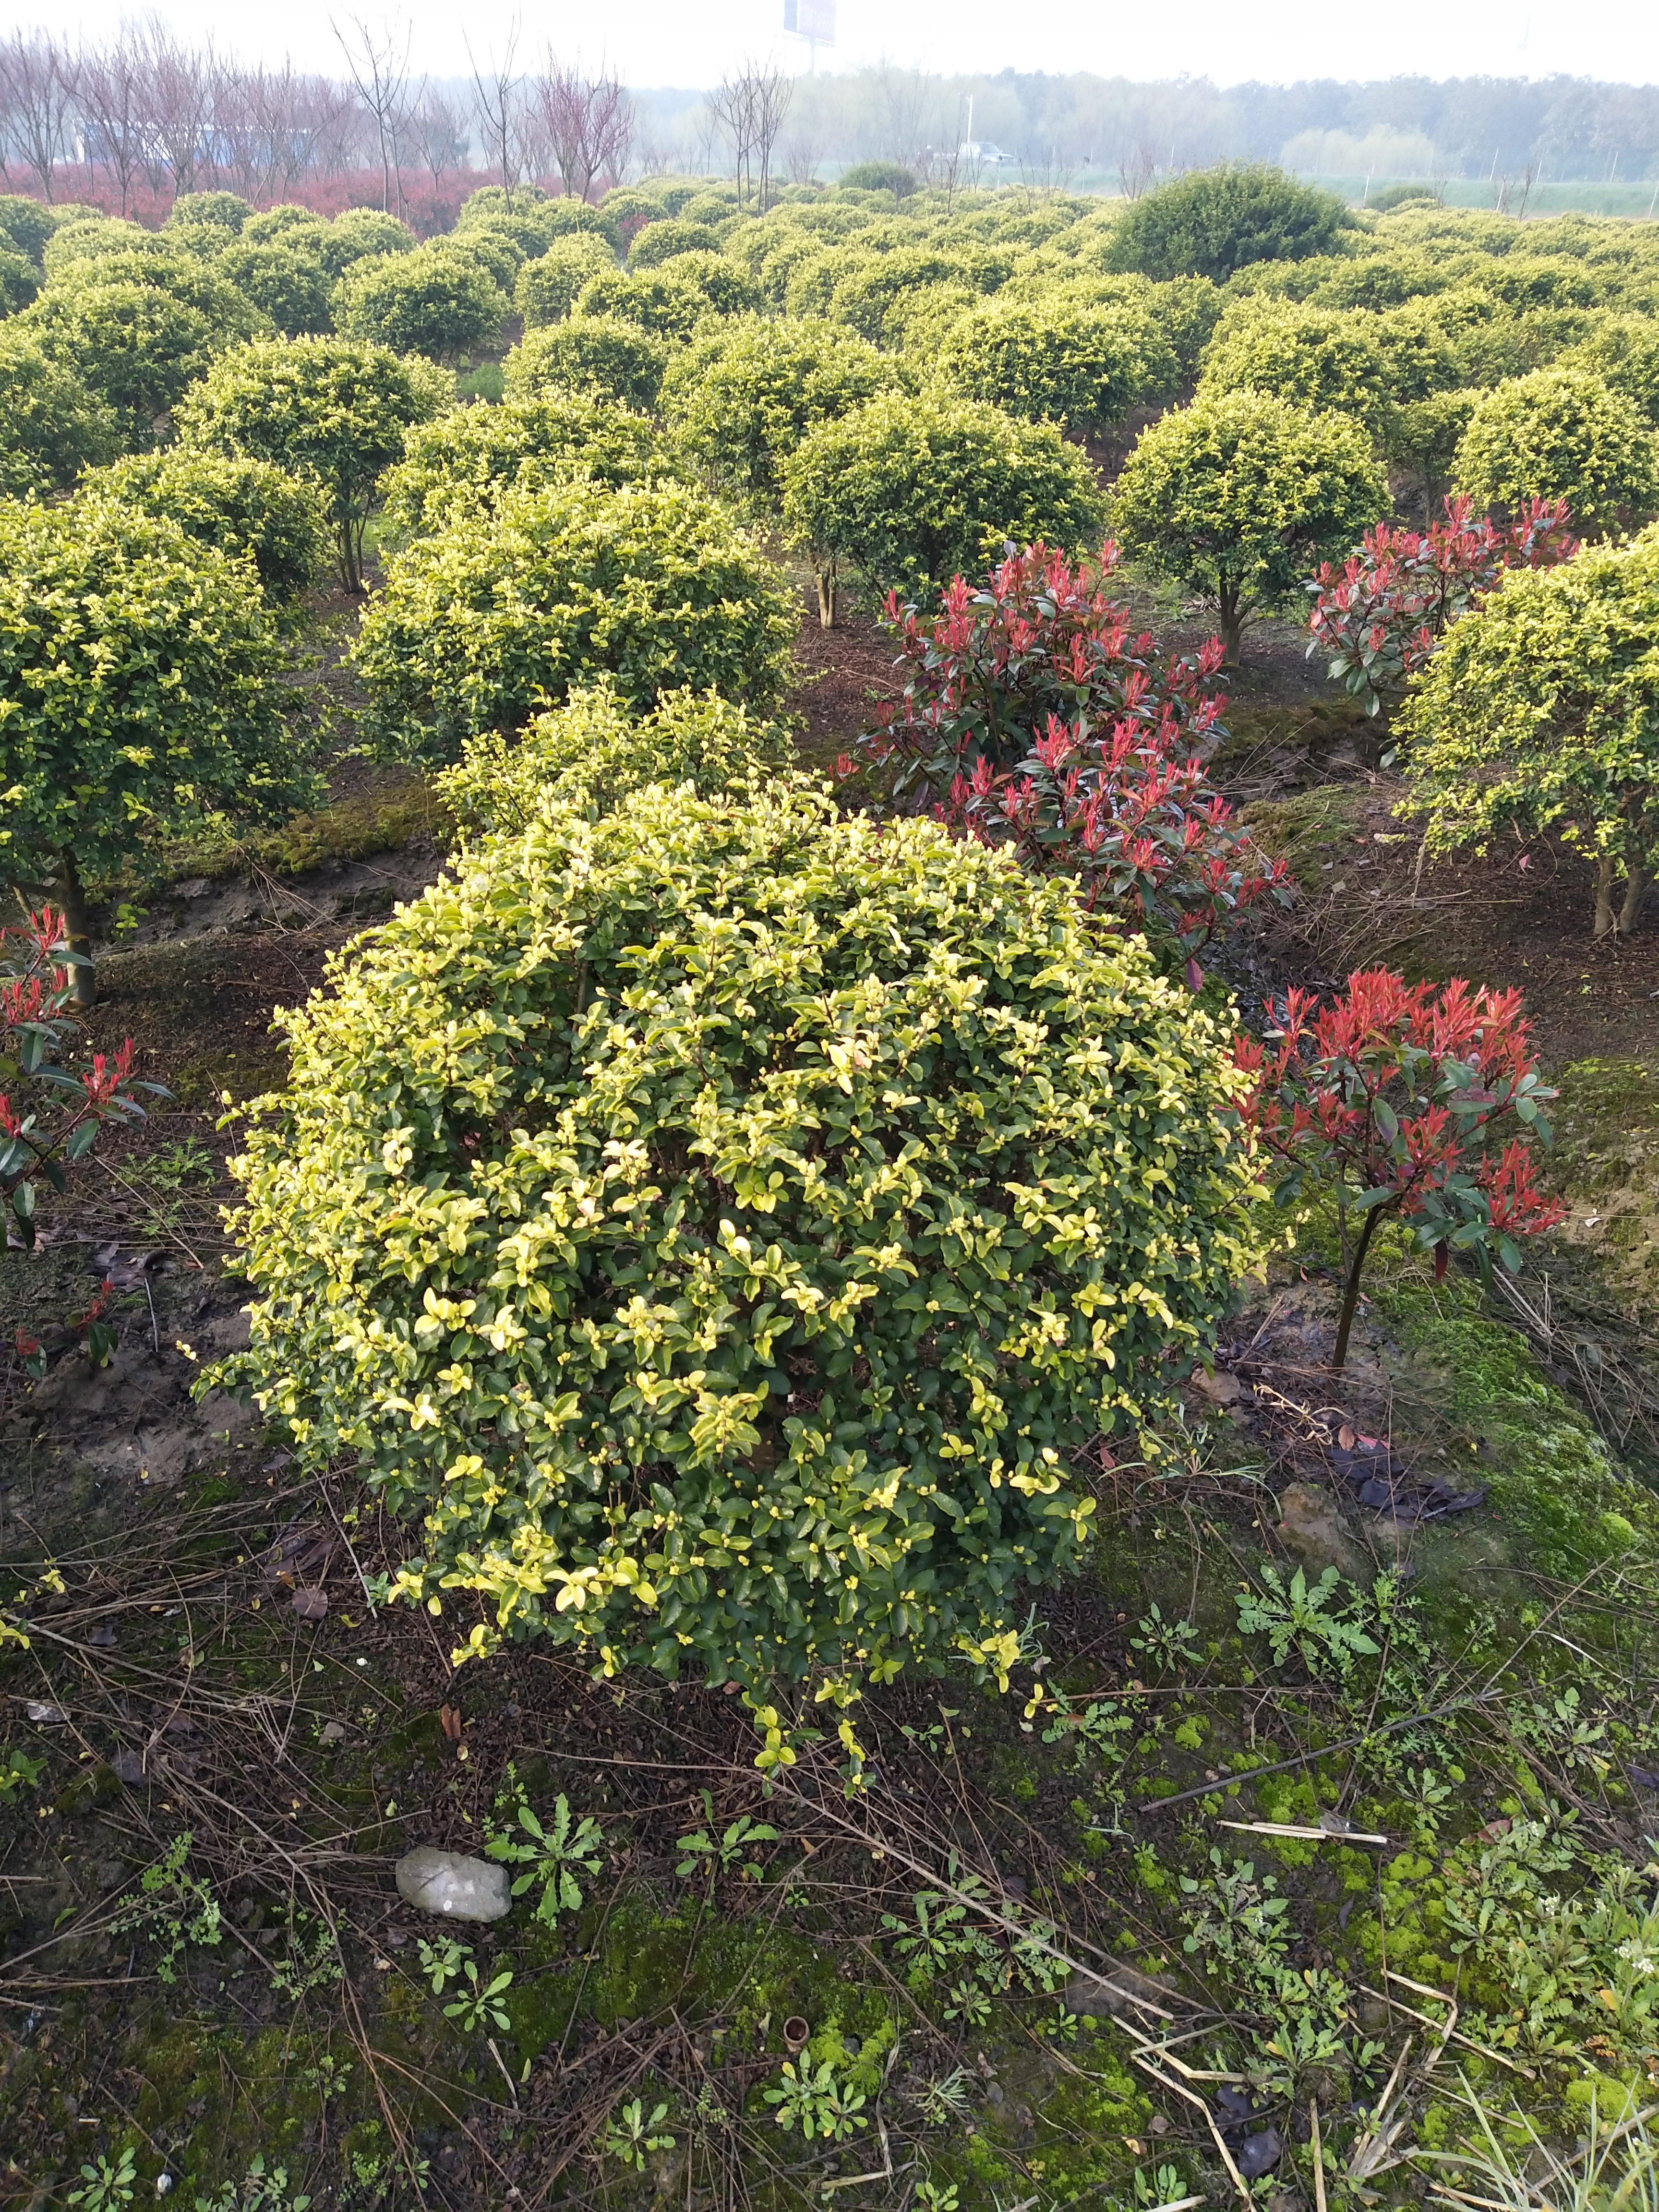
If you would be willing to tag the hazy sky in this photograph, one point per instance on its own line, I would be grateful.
(691, 42)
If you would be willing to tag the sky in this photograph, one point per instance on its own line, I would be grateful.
(692, 42)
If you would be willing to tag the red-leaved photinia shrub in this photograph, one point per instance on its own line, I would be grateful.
(53, 1120)
(1138, 822)
(987, 672)
(1032, 714)
(1382, 614)
(1393, 1093)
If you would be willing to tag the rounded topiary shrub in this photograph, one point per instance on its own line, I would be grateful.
(727, 1225)
(671, 302)
(1313, 357)
(593, 753)
(1560, 434)
(487, 620)
(1050, 357)
(548, 288)
(236, 504)
(435, 301)
(465, 461)
(589, 353)
(913, 491)
(745, 394)
(662, 241)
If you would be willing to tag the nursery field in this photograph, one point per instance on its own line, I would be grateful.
(906, 1270)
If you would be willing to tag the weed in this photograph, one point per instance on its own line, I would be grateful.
(936, 1939)
(810, 2097)
(1239, 1920)
(702, 1847)
(1610, 2169)
(630, 2136)
(442, 1961)
(103, 2186)
(173, 1908)
(552, 1857)
(256, 2191)
(19, 1771)
(1294, 1614)
(1165, 1644)
(480, 2007)
(311, 1957)
(945, 2101)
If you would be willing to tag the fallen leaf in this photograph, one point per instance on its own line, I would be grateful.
(1345, 1437)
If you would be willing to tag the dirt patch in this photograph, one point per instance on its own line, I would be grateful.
(843, 672)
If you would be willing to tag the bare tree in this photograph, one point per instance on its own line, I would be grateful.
(750, 108)
(1137, 170)
(906, 95)
(178, 93)
(111, 95)
(802, 150)
(773, 93)
(498, 104)
(589, 122)
(378, 63)
(438, 131)
(37, 98)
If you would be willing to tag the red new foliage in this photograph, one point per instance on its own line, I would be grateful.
(41, 1132)
(1031, 714)
(1142, 827)
(1395, 1093)
(984, 676)
(1382, 614)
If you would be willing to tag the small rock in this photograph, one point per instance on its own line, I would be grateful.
(334, 1733)
(1093, 1998)
(129, 1768)
(46, 1715)
(1221, 1389)
(1314, 1529)
(310, 1603)
(450, 1882)
(1258, 2154)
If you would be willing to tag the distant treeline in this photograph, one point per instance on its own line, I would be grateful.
(1056, 128)
(131, 123)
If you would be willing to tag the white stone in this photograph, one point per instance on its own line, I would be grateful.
(451, 1883)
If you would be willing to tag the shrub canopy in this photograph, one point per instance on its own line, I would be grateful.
(1539, 716)
(744, 395)
(434, 301)
(671, 302)
(51, 427)
(237, 506)
(359, 234)
(287, 281)
(589, 353)
(549, 287)
(661, 241)
(463, 464)
(1311, 357)
(1560, 434)
(724, 1222)
(133, 346)
(485, 621)
(337, 409)
(913, 491)
(138, 688)
(1051, 358)
(1211, 221)
(1241, 495)
(593, 754)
